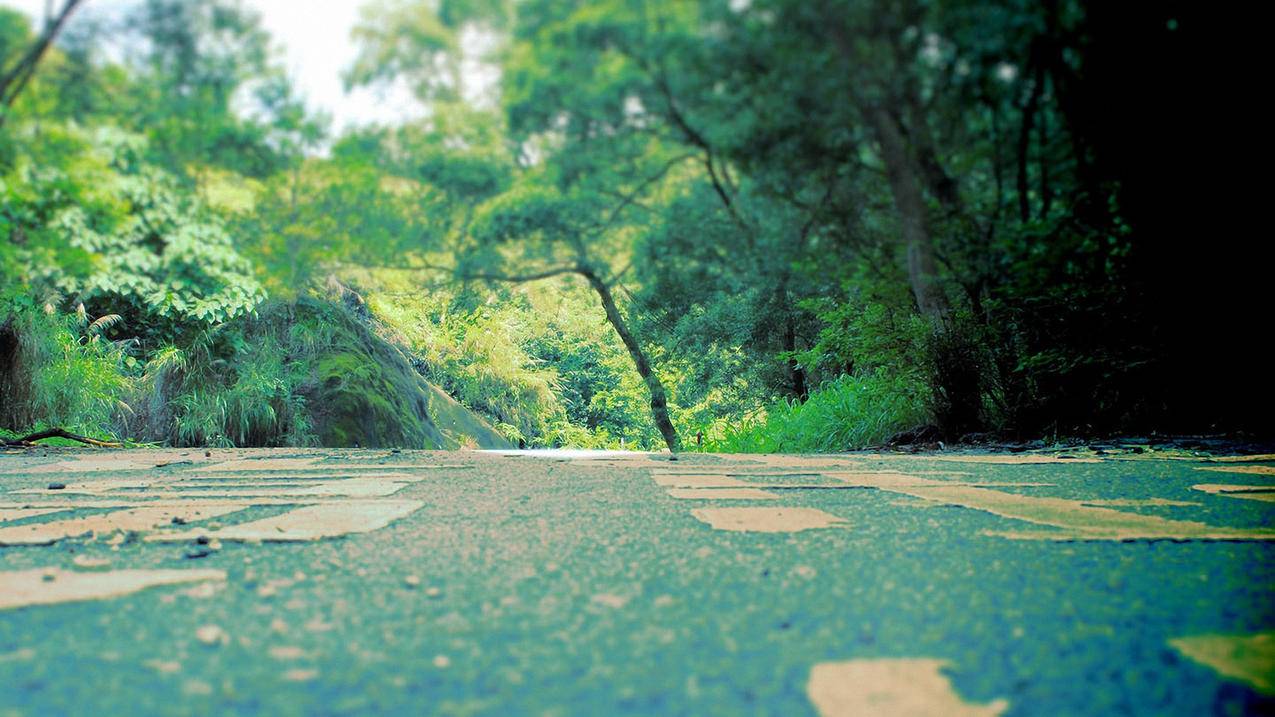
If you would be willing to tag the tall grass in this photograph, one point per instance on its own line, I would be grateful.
(476, 357)
(239, 385)
(64, 372)
(849, 413)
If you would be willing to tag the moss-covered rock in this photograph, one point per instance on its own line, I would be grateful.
(366, 392)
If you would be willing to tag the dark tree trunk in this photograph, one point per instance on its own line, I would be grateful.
(15, 79)
(1030, 107)
(659, 400)
(796, 374)
(909, 204)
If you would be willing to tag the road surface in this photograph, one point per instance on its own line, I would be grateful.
(315, 582)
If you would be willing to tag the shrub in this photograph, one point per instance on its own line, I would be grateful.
(848, 413)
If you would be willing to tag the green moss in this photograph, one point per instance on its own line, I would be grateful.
(367, 393)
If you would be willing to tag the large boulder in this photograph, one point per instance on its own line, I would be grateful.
(366, 392)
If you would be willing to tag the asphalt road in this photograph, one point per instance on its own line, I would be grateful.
(375, 582)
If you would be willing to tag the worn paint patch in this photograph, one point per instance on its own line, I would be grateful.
(311, 522)
(1015, 459)
(91, 465)
(362, 486)
(260, 464)
(890, 688)
(767, 520)
(789, 461)
(97, 487)
(349, 488)
(699, 481)
(7, 514)
(1250, 470)
(1076, 519)
(1244, 459)
(1247, 658)
(130, 520)
(1264, 493)
(1140, 502)
(21, 588)
(722, 494)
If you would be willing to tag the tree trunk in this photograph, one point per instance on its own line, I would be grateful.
(15, 79)
(955, 370)
(659, 400)
(909, 204)
(796, 374)
(1030, 107)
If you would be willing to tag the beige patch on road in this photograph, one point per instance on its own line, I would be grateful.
(92, 465)
(8, 514)
(21, 588)
(1141, 502)
(1247, 658)
(1016, 459)
(1250, 470)
(767, 520)
(359, 486)
(260, 464)
(1264, 493)
(735, 479)
(130, 520)
(348, 488)
(1244, 459)
(93, 487)
(672, 480)
(1076, 519)
(311, 522)
(722, 494)
(890, 688)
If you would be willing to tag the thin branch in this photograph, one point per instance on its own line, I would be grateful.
(523, 278)
(15, 79)
(631, 198)
(28, 441)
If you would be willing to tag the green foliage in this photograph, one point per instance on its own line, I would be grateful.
(924, 209)
(254, 399)
(59, 370)
(848, 413)
(121, 235)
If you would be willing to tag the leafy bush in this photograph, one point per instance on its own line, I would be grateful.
(58, 369)
(848, 413)
(121, 236)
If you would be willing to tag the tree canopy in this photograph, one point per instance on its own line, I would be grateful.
(751, 224)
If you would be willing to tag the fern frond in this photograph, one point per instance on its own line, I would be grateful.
(104, 323)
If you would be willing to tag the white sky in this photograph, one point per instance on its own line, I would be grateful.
(313, 37)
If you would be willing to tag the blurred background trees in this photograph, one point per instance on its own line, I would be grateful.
(765, 224)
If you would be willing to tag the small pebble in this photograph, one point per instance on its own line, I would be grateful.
(442, 662)
(411, 581)
(433, 592)
(212, 635)
(197, 688)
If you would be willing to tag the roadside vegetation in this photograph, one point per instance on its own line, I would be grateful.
(729, 226)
